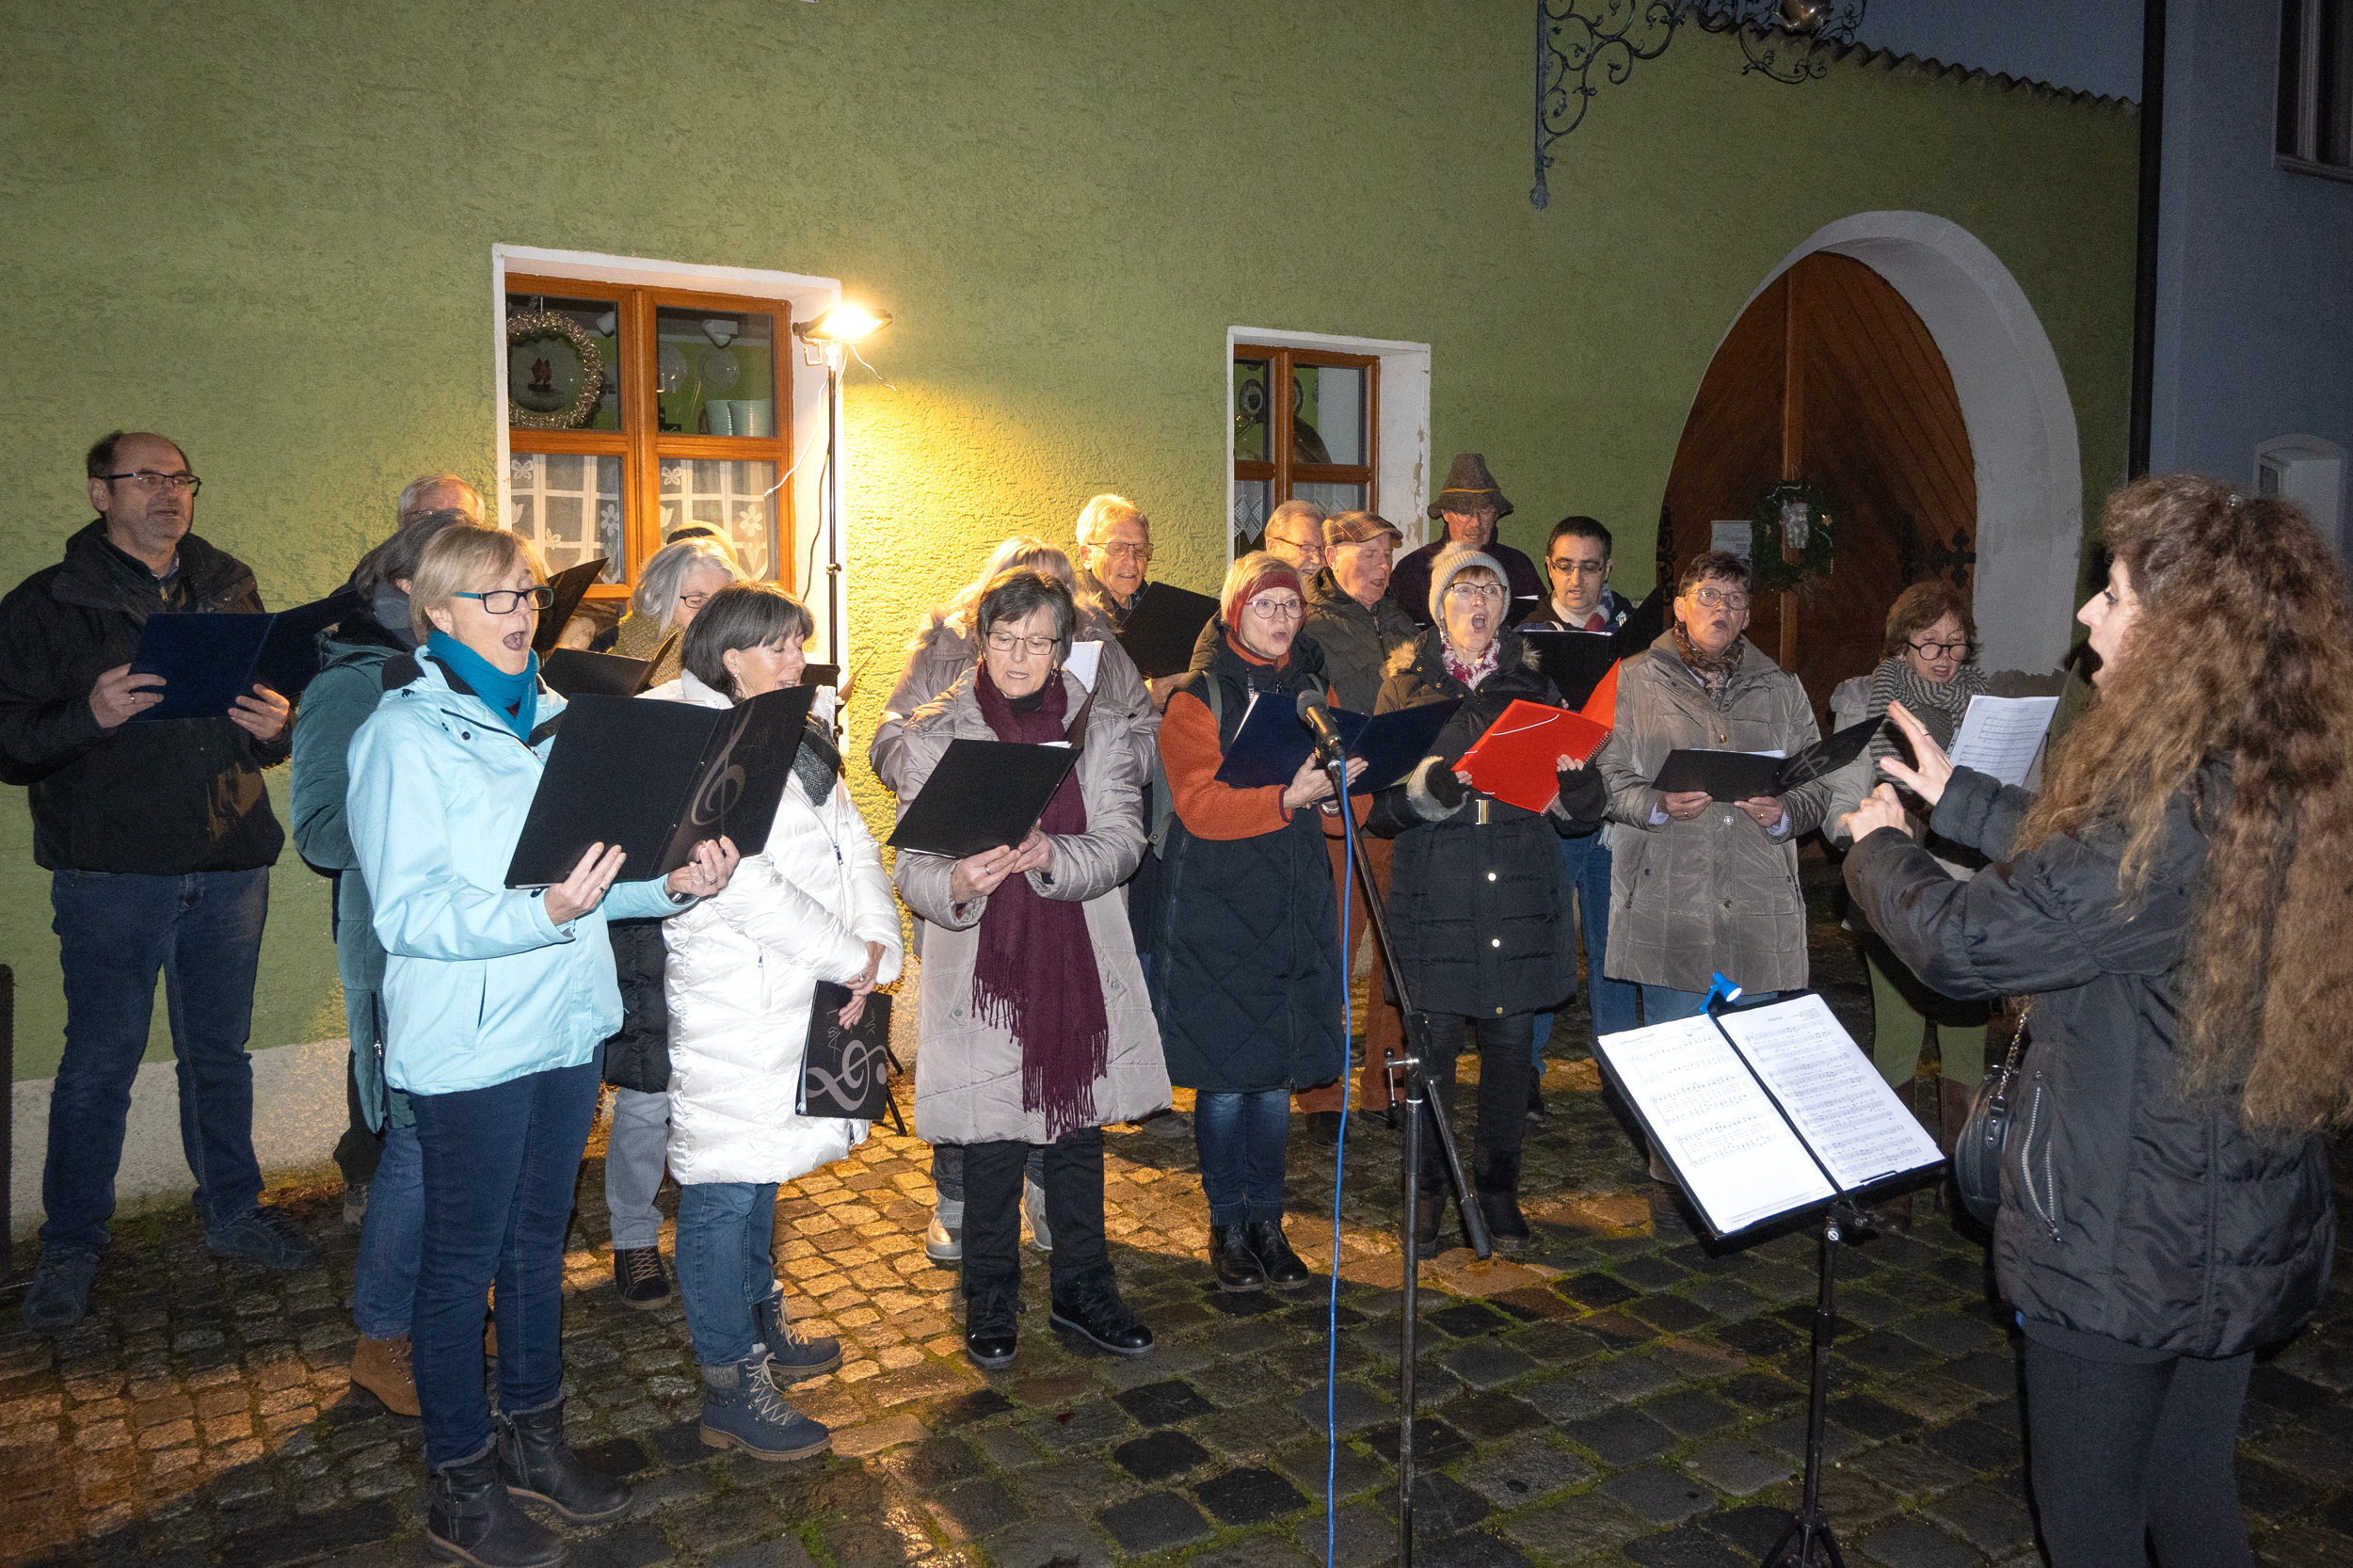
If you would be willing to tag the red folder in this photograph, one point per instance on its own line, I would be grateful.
(1518, 759)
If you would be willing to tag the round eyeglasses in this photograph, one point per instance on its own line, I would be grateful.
(1276, 609)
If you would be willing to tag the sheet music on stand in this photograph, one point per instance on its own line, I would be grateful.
(2000, 735)
(1769, 1111)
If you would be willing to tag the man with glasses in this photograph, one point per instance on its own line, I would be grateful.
(1114, 547)
(1472, 506)
(1295, 534)
(1576, 559)
(159, 839)
(1699, 886)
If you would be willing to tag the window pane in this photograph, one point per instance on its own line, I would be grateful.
(1332, 497)
(1252, 500)
(716, 371)
(569, 507)
(561, 363)
(736, 500)
(1250, 427)
(1327, 414)
(2332, 133)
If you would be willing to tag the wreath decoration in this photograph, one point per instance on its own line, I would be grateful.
(525, 327)
(1776, 520)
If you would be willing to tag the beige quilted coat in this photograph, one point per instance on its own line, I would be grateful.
(967, 1074)
(1688, 899)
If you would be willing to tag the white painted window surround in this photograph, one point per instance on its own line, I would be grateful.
(801, 297)
(1402, 453)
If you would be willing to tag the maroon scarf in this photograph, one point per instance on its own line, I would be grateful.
(1034, 975)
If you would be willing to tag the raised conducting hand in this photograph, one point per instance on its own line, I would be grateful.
(263, 714)
(1880, 809)
(977, 875)
(119, 694)
(1764, 810)
(707, 874)
(1928, 779)
(1683, 805)
(862, 988)
(585, 888)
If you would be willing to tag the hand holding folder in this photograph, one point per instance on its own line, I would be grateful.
(1518, 759)
(208, 662)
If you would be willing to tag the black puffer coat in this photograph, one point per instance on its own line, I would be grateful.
(2127, 1211)
(1247, 977)
(638, 1056)
(1479, 903)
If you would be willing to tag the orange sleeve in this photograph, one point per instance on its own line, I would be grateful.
(1190, 756)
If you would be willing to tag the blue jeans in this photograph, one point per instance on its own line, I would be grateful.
(1243, 1139)
(115, 931)
(725, 1233)
(384, 1283)
(1664, 1004)
(499, 1165)
(1611, 1001)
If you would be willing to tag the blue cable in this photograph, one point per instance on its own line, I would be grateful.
(1340, 1168)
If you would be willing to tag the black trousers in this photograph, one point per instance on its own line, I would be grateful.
(1505, 1046)
(2120, 1453)
(357, 1150)
(1081, 1261)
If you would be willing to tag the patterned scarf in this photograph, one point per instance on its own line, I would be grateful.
(1939, 708)
(1715, 670)
(1034, 974)
(1471, 674)
(816, 764)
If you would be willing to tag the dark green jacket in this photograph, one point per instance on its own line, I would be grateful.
(1357, 642)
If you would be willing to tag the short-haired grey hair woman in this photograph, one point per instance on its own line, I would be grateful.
(741, 615)
(1017, 595)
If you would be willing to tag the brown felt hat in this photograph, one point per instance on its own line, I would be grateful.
(1469, 486)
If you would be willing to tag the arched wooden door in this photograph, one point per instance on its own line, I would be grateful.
(1829, 377)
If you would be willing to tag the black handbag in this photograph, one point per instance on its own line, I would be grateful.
(1977, 1152)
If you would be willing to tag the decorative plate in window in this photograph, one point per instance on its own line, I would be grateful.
(553, 372)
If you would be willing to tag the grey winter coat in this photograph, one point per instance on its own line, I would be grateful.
(1688, 899)
(967, 1074)
(2127, 1211)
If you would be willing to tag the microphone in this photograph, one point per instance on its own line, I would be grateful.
(1316, 715)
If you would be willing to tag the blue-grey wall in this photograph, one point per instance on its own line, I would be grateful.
(2089, 45)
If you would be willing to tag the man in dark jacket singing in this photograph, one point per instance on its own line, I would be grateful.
(158, 836)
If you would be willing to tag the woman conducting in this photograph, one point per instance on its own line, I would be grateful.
(2174, 904)
(1478, 901)
(1035, 1025)
(1247, 982)
(496, 1000)
(812, 905)
(1930, 668)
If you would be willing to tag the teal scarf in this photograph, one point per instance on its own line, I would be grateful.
(514, 697)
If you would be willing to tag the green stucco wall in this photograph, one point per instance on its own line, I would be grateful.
(266, 228)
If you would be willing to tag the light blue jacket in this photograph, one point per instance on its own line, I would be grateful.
(480, 987)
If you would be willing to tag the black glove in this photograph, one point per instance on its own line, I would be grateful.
(1443, 788)
(1584, 800)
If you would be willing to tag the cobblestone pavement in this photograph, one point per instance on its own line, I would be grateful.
(1615, 1394)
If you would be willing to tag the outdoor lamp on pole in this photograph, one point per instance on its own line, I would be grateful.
(842, 324)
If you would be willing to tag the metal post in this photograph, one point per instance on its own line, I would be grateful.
(1809, 1530)
(8, 1123)
(833, 510)
(2144, 383)
(1415, 1100)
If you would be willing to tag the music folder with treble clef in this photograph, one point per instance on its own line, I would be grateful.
(1770, 1112)
(846, 1072)
(657, 779)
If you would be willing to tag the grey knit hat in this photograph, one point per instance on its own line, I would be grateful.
(1449, 564)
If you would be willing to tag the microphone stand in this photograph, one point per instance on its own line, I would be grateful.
(1421, 1097)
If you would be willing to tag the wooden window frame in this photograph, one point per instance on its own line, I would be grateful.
(1282, 469)
(641, 443)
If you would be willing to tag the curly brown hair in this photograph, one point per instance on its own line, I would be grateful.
(1921, 606)
(2240, 653)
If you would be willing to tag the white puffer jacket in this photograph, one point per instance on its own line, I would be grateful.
(742, 970)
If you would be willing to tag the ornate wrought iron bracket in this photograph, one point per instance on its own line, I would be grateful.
(1576, 38)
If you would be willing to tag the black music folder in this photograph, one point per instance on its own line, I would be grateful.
(209, 661)
(572, 672)
(1767, 1112)
(846, 1072)
(1160, 632)
(1645, 623)
(1575, 662)
(1749, 776)
(657, 779)
(571, 587)
(1271, 743)
(983, 795)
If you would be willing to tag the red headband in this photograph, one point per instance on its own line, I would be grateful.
(1276, 573)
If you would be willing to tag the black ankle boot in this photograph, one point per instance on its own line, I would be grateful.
(1496, 1177)
(1232, 1262)
(536, 1462)
(473, 1520)
(991, 1328)
(1273, 1250)
(1427, 1217)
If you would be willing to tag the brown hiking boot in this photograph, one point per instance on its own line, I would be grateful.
(382, 1367)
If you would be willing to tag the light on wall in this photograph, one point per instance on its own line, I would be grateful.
(825, 337)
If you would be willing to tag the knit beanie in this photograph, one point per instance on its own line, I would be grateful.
(1451, 562)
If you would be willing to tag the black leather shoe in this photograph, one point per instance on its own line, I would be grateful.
(1323, 1127)
(1235, 1266)
(1103, 1320)
(1535, 1099)
(1427, 1219)
(1273, 1252)
(472, 1519)
(638, 1278)
(1507, 1227)
(537, 1462)
(990, 1330)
